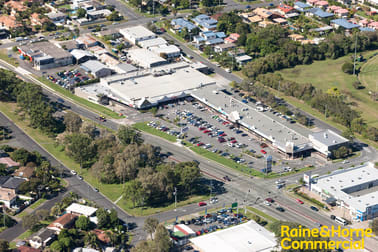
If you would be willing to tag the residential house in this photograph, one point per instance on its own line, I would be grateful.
(79, 209)
(11, 182)
(373, 25)
(96, 14)
(363, 22)
(322, 4)
(263, 13)
(8, 197)
(24, 172)
(232, 38)
(179, 23)
(280, 21)
(35, 19)
(42, 239)
(102, 236)
(332, 8)
(9, 163)
(15, 7)
(296, 37)
(9, 22)
(216, 16)
(65, 221)
(224, 47)
(205, 22)
(301, 6)
(366, 29)
(209, 38)
(254, 19)
(343, 13)
(96, 68)
(285, 9)
(265, 23)
(242, 59)
(341, 22)
(58, 18)
(319, 13)
(312, 2)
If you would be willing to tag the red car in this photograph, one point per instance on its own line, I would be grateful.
(202, 128)
(299, 201)
(221, 140)
(270, 200)
(206, 131)
(202, 203)
(223, 135)
(232, 138)
(234, 141)
(263, 152)
(224, 123)
(200, 144)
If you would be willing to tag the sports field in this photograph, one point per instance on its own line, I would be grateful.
(327, 73)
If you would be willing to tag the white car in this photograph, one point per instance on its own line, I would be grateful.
(73, 172)
(266, 203)
(214, 200)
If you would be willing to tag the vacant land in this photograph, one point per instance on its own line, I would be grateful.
(326, 74)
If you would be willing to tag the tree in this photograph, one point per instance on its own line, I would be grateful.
(150, 225)
(133, 191)
(128, 135)
(56, 246)
(114, 16)
(91, 240)
(79, 146)
(162, 240)
(21, 155)
(42, 214)
(4, 245)
(82, 223)
(341, 152)
(29, 221)
(113, 217)
(347, 67)
(143, 246)
(81, 13)
(103, 218)
(89, 129)
(358, 125)
(73, 122)
(154, 111)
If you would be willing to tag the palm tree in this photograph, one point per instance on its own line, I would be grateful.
(91, 240)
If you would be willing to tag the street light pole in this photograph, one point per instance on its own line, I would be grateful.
(175, 193)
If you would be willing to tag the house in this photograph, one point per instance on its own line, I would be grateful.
(205, 22)
(263, 13)
(9, 163)
(26, 249)
(296, 37)
(209, 38)
(81, 56)
(79, 209)
(96, 68)
(363, 22)
(332, 8)
(11, 182)
(285, 9)
(179, 23)
(35, 19)
(254, 19)
(8, 197)
(322, 4)
(280, 21)
(342, 13)
(45, 55)
(312, 2)
(366, 29)
(373, 25)
(136, 34)
(15, 7)
(87, 41)
(232, 38)
(265, 23)
(9, 22)
(319, 13)
(58, 18)
(224, 47)
(301, 6)
(24, 172)
(341, 22)
(65, 221)
(42, 239)
(101, 236)
(243, 59)
(96, 14)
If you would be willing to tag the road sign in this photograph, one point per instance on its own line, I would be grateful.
(235, 204)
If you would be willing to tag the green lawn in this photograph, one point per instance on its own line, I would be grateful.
(4, 56)
(90, 105)
(25, 235)
(37, 203)
(327, 73)
(144, 127)
(262, 214)
(22, 214)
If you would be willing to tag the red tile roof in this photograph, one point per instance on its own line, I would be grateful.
(101, 235)
(285, 8)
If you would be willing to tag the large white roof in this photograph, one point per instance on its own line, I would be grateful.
(81, 209)
(247, 237)
(144, 57)
(338, 182)
(153, 42)
(137, 32)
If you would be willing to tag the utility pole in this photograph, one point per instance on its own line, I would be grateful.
(175, 193)
(355, 56)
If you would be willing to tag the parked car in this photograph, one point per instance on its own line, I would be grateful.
(270, 200)
(73, 172)
(202, 203)
(263, 152)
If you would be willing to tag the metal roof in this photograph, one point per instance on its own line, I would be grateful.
(344, 23)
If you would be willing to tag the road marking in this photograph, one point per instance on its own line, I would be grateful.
(120, 197)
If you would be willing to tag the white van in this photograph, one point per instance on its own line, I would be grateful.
(341, 221)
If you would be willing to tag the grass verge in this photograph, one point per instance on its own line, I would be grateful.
(90, 105)
(25, 235)
(37, 203)
(262, 214)
(144, 127)
(10, 60)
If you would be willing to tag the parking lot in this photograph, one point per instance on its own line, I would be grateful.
(209, 131)
(69, 78)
